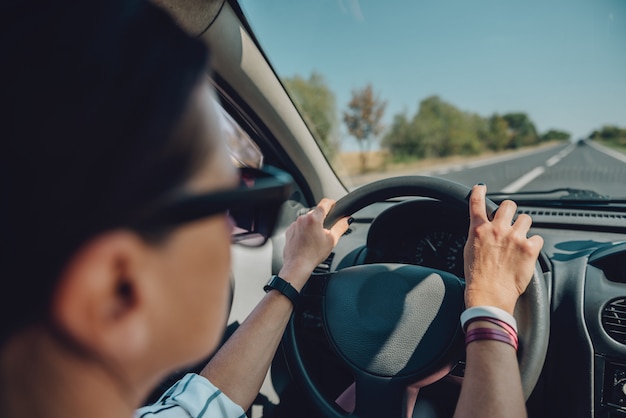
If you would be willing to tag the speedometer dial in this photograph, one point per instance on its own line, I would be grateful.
(442, 250)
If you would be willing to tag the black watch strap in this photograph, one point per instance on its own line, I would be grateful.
(283, 287)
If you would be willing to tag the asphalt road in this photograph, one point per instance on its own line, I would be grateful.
(589, 166)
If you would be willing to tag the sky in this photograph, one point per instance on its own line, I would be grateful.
(563, 62)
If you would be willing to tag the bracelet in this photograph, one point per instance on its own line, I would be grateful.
(284, 287)
(478, 334)
(489, 312)
(506, 327)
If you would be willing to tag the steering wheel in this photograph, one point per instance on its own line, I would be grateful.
(397, 326)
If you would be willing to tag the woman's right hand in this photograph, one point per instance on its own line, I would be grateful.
(499, 257)
(308, 243)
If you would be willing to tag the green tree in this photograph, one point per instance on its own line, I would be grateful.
(497, 137)
(556, 135)
(440, 129)
(316, 103)
(443, 130)
(363, 118)
(401, 138)
(521, 129)
(610, 134)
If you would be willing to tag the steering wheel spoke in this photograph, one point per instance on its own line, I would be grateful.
(378, 397)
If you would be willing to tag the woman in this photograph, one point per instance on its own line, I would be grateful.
(109, 123)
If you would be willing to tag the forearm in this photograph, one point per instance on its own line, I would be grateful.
(492, 386)
(240, 366)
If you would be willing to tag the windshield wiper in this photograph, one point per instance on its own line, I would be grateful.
(561, 195)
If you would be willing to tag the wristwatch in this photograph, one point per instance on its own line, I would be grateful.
(284, 287)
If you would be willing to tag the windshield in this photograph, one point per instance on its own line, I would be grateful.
(520, 95)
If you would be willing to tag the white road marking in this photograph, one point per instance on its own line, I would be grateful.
(608, 151)
(537, 171)
(524, 180)
(553, 160)
(446, 169)
(558, 157)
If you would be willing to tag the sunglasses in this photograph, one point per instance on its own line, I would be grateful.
(253, 206)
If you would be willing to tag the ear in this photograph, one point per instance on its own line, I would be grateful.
(100, 300)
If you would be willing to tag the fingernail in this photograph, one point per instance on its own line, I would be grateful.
(480, 184)
(350, 220)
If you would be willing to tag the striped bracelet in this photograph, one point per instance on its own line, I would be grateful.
(478, 334)
(505, 326)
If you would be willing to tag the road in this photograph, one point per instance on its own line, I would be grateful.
(590, 166)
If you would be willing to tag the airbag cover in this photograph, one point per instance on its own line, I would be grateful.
(393, 319)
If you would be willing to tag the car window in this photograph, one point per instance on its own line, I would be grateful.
(242, 149)
(520, 95)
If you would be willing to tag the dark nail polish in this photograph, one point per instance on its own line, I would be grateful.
(480, 184)
(350, 220)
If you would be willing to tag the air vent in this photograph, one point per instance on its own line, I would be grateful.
(572, 213)
(614, 319)
(324, 266)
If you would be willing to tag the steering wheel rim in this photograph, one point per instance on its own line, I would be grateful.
(532, 310)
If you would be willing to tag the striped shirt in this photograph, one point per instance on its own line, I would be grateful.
(193, 396)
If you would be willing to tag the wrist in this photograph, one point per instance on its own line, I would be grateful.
(283, 287)
(489, 314)
(474, 298)
(297, 276)
(481, 324)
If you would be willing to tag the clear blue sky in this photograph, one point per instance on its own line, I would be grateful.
(561, 61)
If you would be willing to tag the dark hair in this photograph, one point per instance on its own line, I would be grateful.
(92, 92)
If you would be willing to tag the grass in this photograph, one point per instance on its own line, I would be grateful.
(613, 145)
(349, 163)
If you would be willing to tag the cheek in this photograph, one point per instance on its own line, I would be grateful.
(202, 285)
(214, 271)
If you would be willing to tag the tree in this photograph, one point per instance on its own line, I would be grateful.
(316, 103)
(497, 137)
(439, 129)
(610, 134)
(555, 135)
(363, 119)
(522, 130)
(401, 139)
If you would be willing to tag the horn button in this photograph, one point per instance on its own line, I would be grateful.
(396, 321)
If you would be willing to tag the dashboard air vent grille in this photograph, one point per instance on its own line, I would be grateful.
(614, 319)
(572, 213)
(324, 266)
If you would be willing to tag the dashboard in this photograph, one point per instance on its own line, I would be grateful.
(418, 232)
(583, 262)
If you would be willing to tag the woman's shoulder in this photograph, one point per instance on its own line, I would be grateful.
(192, 396)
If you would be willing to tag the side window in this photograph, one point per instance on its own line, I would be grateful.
(242, 148)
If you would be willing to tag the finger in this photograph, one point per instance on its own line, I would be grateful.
(537, 242)
(324, 207)
(339, 228)
(505, 212)
(477, 208)
(523, 223)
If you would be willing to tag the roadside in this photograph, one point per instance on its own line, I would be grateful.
(616, 151)
(347, 164)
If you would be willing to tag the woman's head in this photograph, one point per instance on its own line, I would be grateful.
(107, 112)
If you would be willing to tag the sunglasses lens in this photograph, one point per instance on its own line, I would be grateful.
(256, 218)
(245, 228)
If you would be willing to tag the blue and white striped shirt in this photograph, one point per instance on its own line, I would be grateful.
(193, 396)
